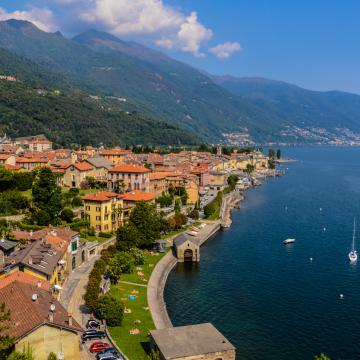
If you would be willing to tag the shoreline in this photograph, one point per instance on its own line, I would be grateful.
(160, 274)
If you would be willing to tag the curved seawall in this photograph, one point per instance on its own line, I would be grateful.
(155, 291)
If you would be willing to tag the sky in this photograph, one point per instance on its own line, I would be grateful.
(311, 43)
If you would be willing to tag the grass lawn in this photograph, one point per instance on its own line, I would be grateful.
(214, 216)
(179, 231)
(135, 346)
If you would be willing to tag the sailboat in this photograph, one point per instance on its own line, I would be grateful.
(352, 254)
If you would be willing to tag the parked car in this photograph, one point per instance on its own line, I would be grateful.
(99, 346)
(110, 350)
(110, 357)
(92, 335)
(93, 324)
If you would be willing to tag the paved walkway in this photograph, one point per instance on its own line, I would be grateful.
(132, 283)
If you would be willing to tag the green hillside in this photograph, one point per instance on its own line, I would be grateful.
(44, 102)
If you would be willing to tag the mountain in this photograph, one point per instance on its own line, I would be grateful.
(154, 83)
(327, 112)
(40, 101)
(133, 78)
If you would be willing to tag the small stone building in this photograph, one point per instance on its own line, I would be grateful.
(193, 342)
(186, 248)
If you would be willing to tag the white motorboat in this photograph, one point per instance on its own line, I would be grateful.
(288, 241)
(353, 254)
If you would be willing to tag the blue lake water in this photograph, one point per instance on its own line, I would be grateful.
(270, 300)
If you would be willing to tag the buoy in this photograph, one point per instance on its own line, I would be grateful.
(320, 209)
(311, 259)
(324, 228)
(341, 296)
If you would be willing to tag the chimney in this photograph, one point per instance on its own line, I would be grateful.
(70, 320)
(51, 317)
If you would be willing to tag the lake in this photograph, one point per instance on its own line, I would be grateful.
(270, 300)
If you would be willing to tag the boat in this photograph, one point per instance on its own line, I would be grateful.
(353, 254)
(288, 241)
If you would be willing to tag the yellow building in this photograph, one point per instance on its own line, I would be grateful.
(104, 210)
(217, 180)
(41, 322)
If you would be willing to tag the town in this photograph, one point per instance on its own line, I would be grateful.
(83, 234)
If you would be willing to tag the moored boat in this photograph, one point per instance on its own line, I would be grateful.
(288, 241)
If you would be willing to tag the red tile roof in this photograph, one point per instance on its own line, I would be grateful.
(137, 195)
(129, 168)
(101, 196)
(81, 166)
(27, 314)
(24, 278)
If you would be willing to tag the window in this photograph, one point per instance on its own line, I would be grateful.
(87, 208)
(98, 209)
(74, 246)
(106, 217)
(98, 218)
(106, 209)
(98, 227)
(106, 227)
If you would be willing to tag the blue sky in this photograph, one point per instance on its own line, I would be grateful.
(310, 43)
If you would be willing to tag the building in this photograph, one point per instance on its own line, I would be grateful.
(192, 342)
(186, 248)
(132, 197)
(217, 180)
(73, 174)
(40, 145)
(129, 177)
(39, 321)
(157, 185)
(104, 210)
(101, 167)
(115, 156)
(7, 159)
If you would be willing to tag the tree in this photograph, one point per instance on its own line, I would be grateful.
(67, 215)
(122, 263)
(23, 180)
(194, 214)
(128, 236)
(6, 179)
(271, 153)
(278, 154)
(250, 168)
(147, 222)
(6, 341)
(25, 354)
(110, 309)
(177, 207)
(46, 197)
(52, 356)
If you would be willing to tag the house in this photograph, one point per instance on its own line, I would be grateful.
(101, 167)
(31, 161)
(217, 180)
(132, 197)
(40, 145)
(73, 174)
(192, 342)
(7, 159)
(115, 156)
(157, 183)
(128, 177)
(104, 210)
(39, 321)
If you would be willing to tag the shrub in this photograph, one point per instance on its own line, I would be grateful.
(110, 309)
(138, 256)
(105, 235)
(67, 215)
(194, 214)
(76, 201)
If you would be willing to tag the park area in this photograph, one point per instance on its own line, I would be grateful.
(132, 335)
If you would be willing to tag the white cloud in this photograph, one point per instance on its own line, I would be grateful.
(192, 34)
(43, 18)
(225, 50)
(152, 21)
